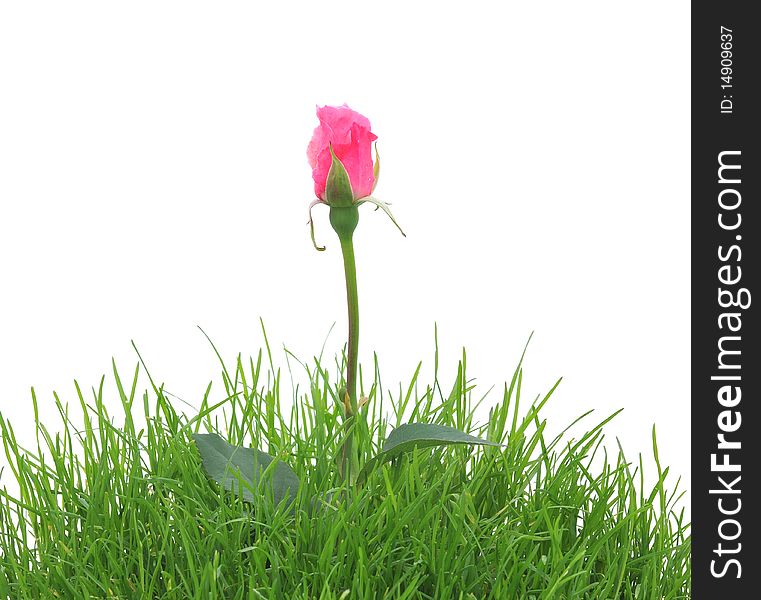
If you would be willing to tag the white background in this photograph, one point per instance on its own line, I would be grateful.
(153, 178)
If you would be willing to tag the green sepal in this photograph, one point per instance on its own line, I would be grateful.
(311, 225)
(338, 185)
(385, 207)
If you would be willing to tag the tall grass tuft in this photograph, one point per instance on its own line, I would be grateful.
(118, 505)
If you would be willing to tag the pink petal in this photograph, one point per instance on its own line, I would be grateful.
(349, 133)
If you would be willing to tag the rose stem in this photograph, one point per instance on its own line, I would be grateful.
(344, 220)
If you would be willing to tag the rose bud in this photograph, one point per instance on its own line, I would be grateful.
(344, 174)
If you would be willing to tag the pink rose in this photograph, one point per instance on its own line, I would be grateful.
(349, 134)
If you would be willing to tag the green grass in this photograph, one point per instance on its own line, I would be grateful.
(118, 506)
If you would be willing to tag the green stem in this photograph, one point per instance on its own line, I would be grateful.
(344, 220)
(352, 300)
